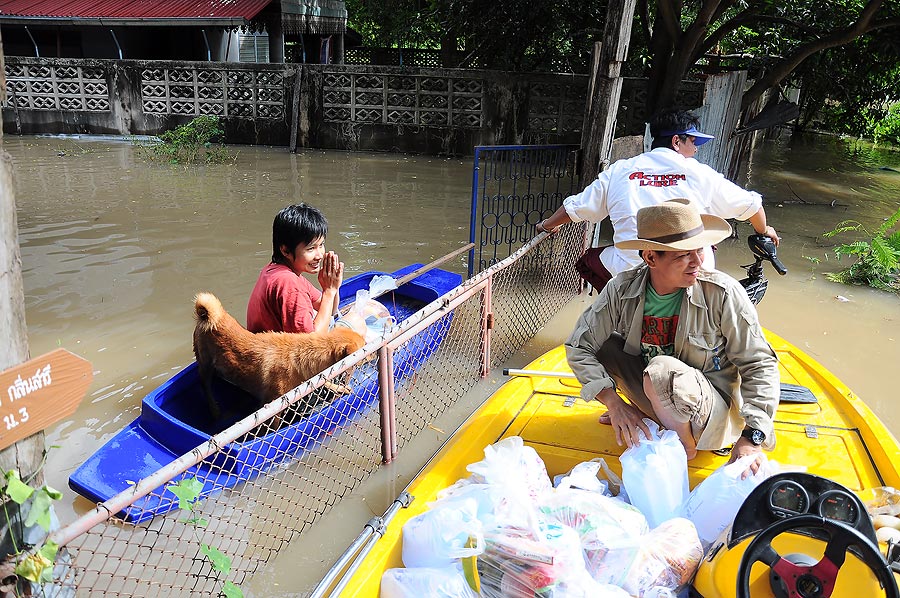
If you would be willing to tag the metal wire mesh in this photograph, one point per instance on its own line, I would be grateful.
(269, 478)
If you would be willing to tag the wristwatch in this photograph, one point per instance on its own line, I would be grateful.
(757, 437)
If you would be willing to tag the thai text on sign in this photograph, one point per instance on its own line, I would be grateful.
(40, 392)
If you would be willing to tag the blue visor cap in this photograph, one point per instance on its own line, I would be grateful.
(699, 138)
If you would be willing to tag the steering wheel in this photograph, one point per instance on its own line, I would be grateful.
(816, 581)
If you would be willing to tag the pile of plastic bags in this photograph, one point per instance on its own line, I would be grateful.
(506, 531)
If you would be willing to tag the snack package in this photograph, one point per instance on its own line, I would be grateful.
(883, 500)
(668, 558)
(521, 564)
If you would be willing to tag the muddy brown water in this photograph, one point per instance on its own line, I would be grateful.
(113, 250)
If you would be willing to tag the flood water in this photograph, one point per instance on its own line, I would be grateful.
(114, 249)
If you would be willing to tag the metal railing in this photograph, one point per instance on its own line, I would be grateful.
(419, 371)
(513, 188)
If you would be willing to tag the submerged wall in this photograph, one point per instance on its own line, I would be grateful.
(379, 108)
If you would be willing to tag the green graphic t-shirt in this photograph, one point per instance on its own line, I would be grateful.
(660, 323)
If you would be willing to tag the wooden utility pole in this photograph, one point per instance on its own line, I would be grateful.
(26, 455)
(605, 89)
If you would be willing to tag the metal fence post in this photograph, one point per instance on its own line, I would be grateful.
(386, 403)
(487, 324)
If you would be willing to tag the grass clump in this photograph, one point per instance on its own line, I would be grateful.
(195, 142)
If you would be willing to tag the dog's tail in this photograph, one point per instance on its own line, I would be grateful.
(208, 310)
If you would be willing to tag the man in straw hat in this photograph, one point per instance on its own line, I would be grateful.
(683, 344)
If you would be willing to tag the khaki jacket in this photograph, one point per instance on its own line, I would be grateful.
(718, 333)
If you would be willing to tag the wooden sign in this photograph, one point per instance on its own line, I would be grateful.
(39, 392)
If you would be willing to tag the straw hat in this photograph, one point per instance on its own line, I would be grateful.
(676, 225)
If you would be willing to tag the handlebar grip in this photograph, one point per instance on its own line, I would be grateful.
(764, 249)
(779, 267)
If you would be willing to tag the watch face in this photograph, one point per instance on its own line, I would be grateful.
(757, 437)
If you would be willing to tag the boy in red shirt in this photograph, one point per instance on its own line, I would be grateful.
(283, 300)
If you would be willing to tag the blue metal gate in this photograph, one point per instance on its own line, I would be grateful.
(513, 188)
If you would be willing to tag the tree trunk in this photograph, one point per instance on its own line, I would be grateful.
(25, 455)
(605, 89)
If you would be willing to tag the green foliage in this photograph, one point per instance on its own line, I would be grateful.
(888, 129)
(36, 566)
(41, 506)
(191, 143)
(188, 492)
(220, 562)
(845, 88)
(877, 259)
(515, 35)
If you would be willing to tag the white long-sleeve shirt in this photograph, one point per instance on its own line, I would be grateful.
(649, 179)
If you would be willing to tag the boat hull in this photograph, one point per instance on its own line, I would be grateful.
(170, 424)
(836, 436)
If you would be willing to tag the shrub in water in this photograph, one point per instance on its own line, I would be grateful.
(191, 143)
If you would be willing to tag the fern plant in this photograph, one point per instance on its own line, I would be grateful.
(877, 259)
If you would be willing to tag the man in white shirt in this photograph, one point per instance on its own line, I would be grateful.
(667, 171)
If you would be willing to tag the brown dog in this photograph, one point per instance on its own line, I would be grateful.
(267, 364)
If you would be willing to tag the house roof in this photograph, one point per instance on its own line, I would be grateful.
(131, 12)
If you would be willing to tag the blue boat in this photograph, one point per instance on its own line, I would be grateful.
(170, 424)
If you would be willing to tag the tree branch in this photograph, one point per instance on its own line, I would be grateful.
(775, 76)
(669, 14)
(740, 19)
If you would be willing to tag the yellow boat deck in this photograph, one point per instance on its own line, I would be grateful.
(837, 437)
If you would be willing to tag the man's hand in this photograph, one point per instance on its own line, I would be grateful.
(770, 232)
(625, 418)
(331, 273)
(541, 227)
(742, 448)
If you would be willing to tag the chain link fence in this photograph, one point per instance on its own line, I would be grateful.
(221, 537)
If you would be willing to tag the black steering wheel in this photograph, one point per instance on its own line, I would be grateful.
(815, 581)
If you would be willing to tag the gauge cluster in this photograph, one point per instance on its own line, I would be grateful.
(791, 494)
(789, 498)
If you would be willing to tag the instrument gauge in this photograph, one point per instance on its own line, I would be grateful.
(788, 498)
(839, 506)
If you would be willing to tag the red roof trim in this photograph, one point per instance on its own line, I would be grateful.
(132, 9)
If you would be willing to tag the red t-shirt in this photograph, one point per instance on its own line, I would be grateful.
(282, 301)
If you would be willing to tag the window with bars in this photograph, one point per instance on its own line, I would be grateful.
(253, 47)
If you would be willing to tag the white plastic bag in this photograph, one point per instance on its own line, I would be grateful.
(381, 284)
(422, 582)
(439, 536)
(715, 501)
(512, 465)
(597, 518)
(594, 475)
(368, 317)
(497, 506)
(654, 474)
